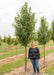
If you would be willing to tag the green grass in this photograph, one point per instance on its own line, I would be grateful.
(10, 66)
(4, 45)
(50, 70)
(1, 51)
(11, 54)
(47, 52)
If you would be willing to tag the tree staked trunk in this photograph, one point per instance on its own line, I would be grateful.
(25, 59)
(44, 55)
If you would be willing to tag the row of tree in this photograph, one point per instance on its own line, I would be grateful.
(8, 40)
(24, 24)
(25, 32)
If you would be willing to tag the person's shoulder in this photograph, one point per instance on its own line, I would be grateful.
(37, 48)
(29, 48)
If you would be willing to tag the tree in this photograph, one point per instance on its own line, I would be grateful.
(43, 34)
(52, 30)
(9, 41)
(24, 27)
(15, 42)
(5, 39)
(34, 36)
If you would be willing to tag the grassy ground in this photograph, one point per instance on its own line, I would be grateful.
(50, 70)
(18, 52)
(4, 45)
(11, 54)
(8, 50)
(10, 66)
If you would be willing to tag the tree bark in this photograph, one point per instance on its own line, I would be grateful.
(25, 58)
(44, 55)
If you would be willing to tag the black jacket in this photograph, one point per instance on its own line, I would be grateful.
(34, 53)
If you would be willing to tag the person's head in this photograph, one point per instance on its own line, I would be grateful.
(33, 44)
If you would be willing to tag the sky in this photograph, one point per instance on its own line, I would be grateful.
(10, 8)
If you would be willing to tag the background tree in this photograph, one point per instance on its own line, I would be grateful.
(5, 39)
(43, 34)
(24, 27)
(15, 42)
(9, 41)
(52, 30)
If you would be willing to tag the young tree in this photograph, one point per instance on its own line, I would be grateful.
(24, 27)
(15, 42)
(52, 37)
(9, 41)
(5, 39)
(43, 34)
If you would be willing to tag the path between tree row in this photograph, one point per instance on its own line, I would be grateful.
(10, 48)
(47, 66)
(10, 51)
(13, 50)
(14, 58)
(21, 70)
(14, 47)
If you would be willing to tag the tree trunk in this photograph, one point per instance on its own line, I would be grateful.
(25, 58)
(44, 55)
(16, 51)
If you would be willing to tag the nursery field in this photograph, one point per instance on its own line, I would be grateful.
(13, 57)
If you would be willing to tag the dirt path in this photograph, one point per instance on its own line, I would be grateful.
(11, 51)
(11, 59)
(47, 66)
(21, 70)
(15, 49)
(14, 58)
(9, 48)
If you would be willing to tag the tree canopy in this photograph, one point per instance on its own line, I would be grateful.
(43, 32)
(24, 25)
(52, 30)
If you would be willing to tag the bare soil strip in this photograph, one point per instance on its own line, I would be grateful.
(21, 70)
(11, 59)
(14, 47)
(14, 50)
(11, 51)
(9, 48)
(14, 58)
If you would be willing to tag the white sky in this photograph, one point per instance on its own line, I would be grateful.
(9, 9)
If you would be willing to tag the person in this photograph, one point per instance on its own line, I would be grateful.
(34, 56)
